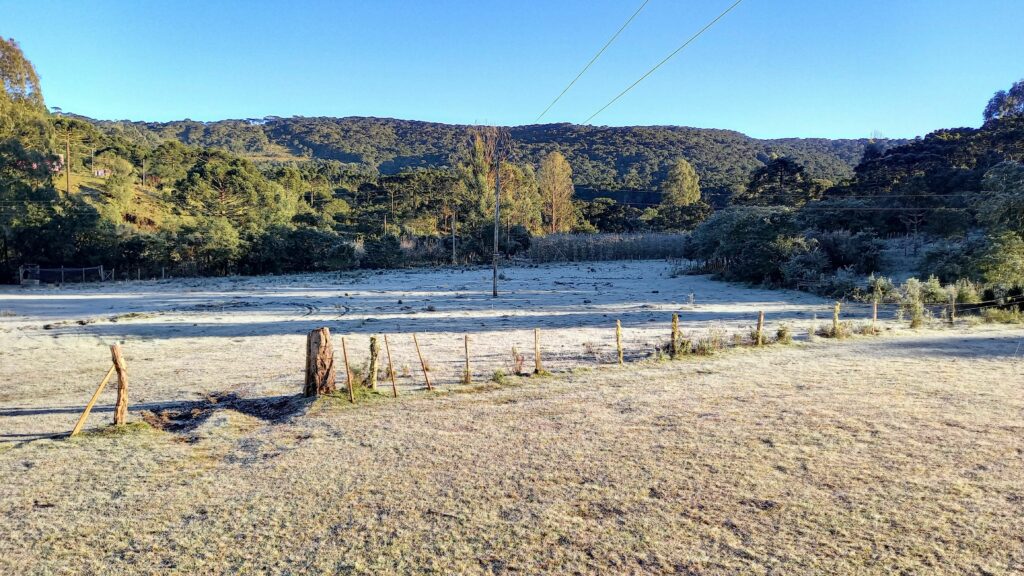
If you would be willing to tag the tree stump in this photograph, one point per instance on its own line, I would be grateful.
(371, 377)
(319, 363)
(121, 406)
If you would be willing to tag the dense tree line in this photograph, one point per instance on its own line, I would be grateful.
(960, 192)
(608, 159)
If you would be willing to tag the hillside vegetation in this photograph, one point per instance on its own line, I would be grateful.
(602, 158)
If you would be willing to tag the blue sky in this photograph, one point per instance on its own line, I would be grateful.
(771, 68)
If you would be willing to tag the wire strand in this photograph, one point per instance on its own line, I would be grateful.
(666, 59)
(592, 60)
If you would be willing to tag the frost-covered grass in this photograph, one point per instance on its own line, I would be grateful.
(899, 454)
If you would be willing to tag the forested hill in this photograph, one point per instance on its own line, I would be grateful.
(602, 158)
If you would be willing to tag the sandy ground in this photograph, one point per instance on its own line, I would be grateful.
(902, 453)
(185, 340)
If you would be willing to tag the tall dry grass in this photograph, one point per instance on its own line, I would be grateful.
(595, 247)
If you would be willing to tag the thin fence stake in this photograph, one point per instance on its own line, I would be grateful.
(371, 378)
(874, 315)
(121, 406)
(674, 349)
(952, 308)
(760, 328)
(537, 368)
(835, 320)
(92, 401)
(348, 372)
(423, 364)
(618, 339)
(468, 376)
(391, 367)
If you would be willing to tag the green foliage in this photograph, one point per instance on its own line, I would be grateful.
(781, 182)
(681, 186)
(1006, 103)
(1002, 261)
(382, 252)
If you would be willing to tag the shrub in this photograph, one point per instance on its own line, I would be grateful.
(882, 289)
(1003, 315)
(912, 302)
(950, 261)
(783, 335)
(1002, 260)
(382, 252)
(967, 292)
(932, 291)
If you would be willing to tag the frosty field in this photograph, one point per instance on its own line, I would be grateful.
(902, 453)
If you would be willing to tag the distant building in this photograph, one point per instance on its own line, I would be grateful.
(101, 172)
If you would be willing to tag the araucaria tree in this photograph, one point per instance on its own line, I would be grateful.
(681, 186)
(555, 181)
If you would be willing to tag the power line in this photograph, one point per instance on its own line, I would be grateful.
(667, 58)
(592, 60)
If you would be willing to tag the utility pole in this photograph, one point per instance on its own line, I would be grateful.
(67, 160)
(497, 209)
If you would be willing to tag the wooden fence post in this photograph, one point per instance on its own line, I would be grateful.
(121, 406)
(348, 372)
(423, 363)
(467, 377)
(537, 368)
(674, 348)
(874, 315)
(618, 339)
(952, 308)
(835, 320)
(760, 328)
(319, 363)
(371, 378)
(391, 367)
(92, 401)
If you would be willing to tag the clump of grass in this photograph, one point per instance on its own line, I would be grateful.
(866, 329)
(783, 335)
(127, 429)
(499, 377)
(713, 342)
(1003, 315)
(4, 313)
(837, 331)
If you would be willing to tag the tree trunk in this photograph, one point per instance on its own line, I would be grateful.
(319, 363)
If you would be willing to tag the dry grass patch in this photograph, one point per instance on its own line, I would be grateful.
(880, 456)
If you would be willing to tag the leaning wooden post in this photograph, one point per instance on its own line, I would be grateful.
(371, 378)
(391, 367)
(835, 320)
(348, 372)
(92, 402)
(423, 363)
(121, 406)
(537, 368)
(760, 328)
(618, 339)
(674, 348)
(319, 363)
(467, 376)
